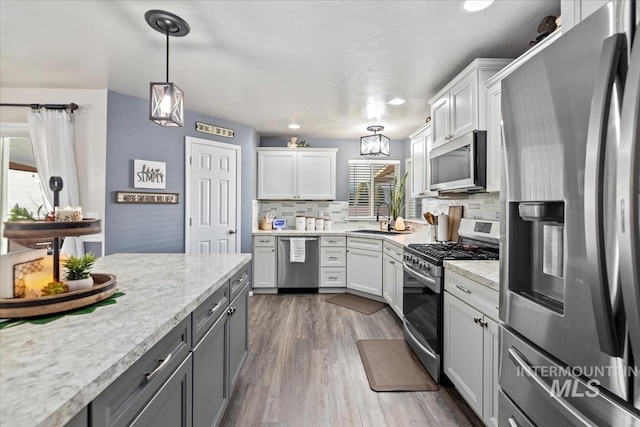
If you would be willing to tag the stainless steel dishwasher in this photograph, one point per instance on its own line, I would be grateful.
(299, 274)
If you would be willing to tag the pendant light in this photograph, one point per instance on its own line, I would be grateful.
(376, 144)
(165, 98)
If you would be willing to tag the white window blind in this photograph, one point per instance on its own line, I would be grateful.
(370, 183)
(413, 206)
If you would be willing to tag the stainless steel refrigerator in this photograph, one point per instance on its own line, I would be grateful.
(570, 240)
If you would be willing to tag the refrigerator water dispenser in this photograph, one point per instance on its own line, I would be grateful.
(536, 259)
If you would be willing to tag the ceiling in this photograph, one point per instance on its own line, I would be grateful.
(329, 66)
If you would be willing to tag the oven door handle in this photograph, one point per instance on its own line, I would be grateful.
(429, 282)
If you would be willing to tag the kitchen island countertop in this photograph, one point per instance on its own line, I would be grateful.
(486, 273)
(50, 372)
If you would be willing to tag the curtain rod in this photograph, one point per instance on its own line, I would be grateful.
(72, 107)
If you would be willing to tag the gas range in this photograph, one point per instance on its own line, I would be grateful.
(479, 240)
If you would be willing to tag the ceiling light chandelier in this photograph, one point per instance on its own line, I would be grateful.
(376, 144)
(166, 99)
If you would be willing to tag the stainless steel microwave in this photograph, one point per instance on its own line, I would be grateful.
(460, 165)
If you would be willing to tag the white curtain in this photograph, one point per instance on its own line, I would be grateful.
(52, 138)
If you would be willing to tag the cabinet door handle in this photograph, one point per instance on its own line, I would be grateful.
(333, 278)
(391, 262)
(273, 250)
(477, 320)
(213, 309)
(231, 310)
(465, 290)
(482, 323)
(333, 257)
(163, 364)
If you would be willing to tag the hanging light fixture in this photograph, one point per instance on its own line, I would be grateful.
(166, 99)
(376, 144)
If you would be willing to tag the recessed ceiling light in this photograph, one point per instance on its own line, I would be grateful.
(396, 101)
(472, 6)
(294, 126)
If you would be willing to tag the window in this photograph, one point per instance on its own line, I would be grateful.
(20, 181)
(413, 207)
(370, 183)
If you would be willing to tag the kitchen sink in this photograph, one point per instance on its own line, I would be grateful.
(381, 232)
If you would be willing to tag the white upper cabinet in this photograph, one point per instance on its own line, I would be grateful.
(459, 107)
(494, 136)
(421, 142)
(575, 11)
(493, 110)
(297, 174)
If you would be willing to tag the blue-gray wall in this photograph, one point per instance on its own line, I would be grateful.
(131, 135)
(347, 149)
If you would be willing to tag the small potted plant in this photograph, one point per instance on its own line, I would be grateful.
(78, 271)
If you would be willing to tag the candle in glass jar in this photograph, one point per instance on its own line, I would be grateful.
(69, 213)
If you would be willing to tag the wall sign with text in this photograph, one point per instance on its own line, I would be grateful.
(146, 198)
(148, 174)
(214, 130)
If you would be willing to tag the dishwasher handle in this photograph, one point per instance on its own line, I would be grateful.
(307, 239)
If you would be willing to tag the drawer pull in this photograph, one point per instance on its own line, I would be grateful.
(213, 309)
(465, 290)
(241, 279)
(265, 241)
(391, 262)
(163, 364)
(513, 422)
(333, 278)
(332, 241)
(333, 257)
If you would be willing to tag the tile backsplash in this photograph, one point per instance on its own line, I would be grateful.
(337, 212)
(475, 206)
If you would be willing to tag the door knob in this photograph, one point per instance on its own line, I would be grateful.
(232, 231)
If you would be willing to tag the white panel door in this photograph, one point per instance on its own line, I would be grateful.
(440, 121)
(277, 175)
(463, 108)
(388, 279)
(491, 366)
(213, 190)
(264, 267)
(494, 137)
(364, 271)
(462, 351)
(316, 175)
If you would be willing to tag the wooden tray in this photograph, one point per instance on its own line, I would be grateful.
(37, 229)
(104, 286)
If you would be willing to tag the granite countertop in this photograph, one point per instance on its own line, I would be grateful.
(50, 372)
(418, 236)
(486, 273)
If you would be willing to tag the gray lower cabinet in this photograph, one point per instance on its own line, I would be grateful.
(124, 400)
(238, 334)
(210, 393)
(171, 406)
(186, 379)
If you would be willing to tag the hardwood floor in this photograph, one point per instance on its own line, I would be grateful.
(304, 369)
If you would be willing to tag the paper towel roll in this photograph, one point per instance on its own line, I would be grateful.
(443, 228)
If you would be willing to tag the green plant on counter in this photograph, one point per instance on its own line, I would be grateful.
(79, 267)
(303, 144)
(397, 196)
(18, 213)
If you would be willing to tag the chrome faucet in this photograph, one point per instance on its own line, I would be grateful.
(388, 215)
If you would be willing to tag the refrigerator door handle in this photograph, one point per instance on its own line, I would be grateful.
(612, 69)
(567, 409)
(627, 209)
